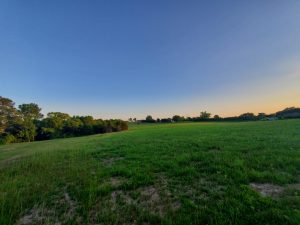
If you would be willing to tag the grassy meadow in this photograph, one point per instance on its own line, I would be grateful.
(185, 173)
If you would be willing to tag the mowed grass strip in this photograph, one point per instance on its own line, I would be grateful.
(187, 173)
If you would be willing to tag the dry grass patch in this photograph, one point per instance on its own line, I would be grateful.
(151, 200)
(116, 181)
(63, 209)
(38, 216)
(71, 205)
(199, 190)
(266, 189)
(110, 161)
(120, 196)
(148, 198)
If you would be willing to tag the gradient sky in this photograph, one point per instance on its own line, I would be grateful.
(120, 59)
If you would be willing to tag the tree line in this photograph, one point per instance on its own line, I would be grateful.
(26, 123)
(287, 113)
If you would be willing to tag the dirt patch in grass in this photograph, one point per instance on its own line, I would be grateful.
(150, 194)
(197, 191)
(266, 189)
(110, 161)
(148, 198)
(71, 205)
(121, 196)
(61, 210)
(37, 216)
(163, 198)
(167, 192)
(115, 181)
(31, 217)
(151, 200)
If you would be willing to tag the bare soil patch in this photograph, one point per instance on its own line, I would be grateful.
(36, 215)
(71, 205)
(110, 161)
(151, 200)
(150, 194)
(266, 189)
(115, 181)
(40, 215)
(121, 196)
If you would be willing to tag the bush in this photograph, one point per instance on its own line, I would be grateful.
(124, 125)
(7, 139)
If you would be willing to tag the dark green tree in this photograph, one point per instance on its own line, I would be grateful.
(88, 125)
(178, 118)
(205, 115)
(23, 131)
(72, 127)
(8, 113)
(247, 116)
(56, 120)
(261, 116)
(30, 111)
(217, 117)
(52, 126)
(149, 119)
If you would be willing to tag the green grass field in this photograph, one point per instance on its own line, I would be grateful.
(188, 173)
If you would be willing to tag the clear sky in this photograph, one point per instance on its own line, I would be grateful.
(120, 59)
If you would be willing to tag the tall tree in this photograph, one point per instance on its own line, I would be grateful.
(205, 115)
(177, 118)
(247, 116)
(8, 113)
(56, 120)
(149, 119)
(25, 129)
(31, 111)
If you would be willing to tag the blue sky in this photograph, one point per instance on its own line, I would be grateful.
(132, 58)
